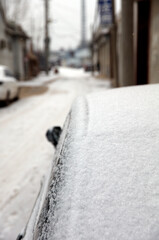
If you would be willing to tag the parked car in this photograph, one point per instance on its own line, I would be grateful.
(104, 181)
(9, 89)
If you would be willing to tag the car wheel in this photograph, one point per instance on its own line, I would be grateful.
(7, 101)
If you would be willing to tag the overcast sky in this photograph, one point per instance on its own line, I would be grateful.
(65, 28)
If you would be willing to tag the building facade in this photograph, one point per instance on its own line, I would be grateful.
(6, 53)
(102, 40)
(145, 43)
(153, 76)
(102, 53)
(12, 46)
(137, 44)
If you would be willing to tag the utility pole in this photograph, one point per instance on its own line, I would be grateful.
(47, 39)
(83, 24)
(127, 73)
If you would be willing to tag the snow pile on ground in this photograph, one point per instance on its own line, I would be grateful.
(25, 155)
(40, 80)
(72, 72)
(64, 72)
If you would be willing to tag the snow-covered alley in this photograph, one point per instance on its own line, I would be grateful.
(25, 155)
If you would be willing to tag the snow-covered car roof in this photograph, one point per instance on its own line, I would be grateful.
(106, 181)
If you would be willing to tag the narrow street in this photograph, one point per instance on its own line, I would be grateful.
(25, 154)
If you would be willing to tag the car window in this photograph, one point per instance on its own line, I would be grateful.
(8, 73)
(41, 210)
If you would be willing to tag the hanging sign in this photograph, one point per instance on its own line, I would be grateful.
(105, 9)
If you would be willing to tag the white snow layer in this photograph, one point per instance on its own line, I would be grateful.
(109, 177)
(25, 155)
(40, 80)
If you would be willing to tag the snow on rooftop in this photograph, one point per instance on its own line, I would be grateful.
(108, 175)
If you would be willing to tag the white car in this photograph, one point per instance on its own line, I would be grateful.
(104, 181)
(9, 89)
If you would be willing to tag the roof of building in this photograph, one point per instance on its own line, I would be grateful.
(14, 29)
(11, 27)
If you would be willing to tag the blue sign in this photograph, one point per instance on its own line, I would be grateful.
(105, 9)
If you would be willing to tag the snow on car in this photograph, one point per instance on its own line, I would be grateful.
(104, 182)
(8, 85)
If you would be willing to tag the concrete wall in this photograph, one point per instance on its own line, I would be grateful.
(104, 58)
(154, 43)
(18, 55)
(12, 54)
(95, 58)
(119, 52)
(6, 55)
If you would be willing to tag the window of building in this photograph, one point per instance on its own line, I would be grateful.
(2, 44)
